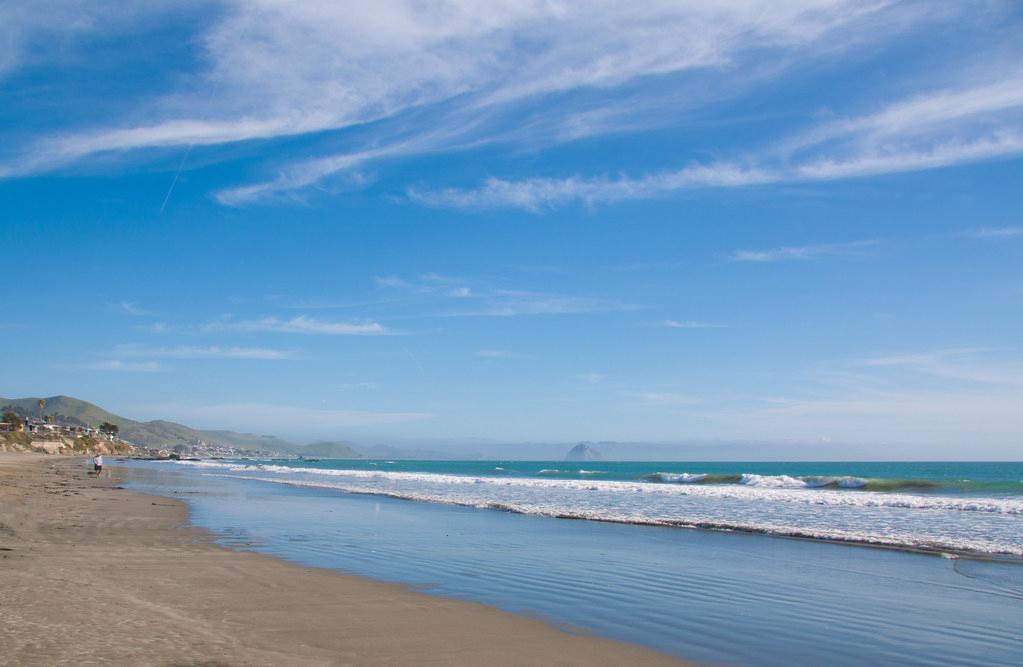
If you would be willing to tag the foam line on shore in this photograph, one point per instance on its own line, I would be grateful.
(964, 547)
(751, 492)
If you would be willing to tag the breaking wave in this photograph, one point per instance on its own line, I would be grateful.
(845, 509)
(788, 482)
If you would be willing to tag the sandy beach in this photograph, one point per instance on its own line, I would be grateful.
(93, 574)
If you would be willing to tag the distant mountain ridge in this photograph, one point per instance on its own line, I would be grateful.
(163, 434)
(330, 450)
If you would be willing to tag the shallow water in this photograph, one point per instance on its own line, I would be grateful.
(717, 597)
(932, 507)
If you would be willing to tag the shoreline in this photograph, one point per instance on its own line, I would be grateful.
(94, 574)
(1012, 555)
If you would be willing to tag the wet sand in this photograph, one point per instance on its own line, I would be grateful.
(92, 574)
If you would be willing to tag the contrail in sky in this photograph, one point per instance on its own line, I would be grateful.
(175, 181)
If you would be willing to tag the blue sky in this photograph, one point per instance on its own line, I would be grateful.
(525, 221)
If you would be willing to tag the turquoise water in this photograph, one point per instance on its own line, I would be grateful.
(718, 597)
(941, 477)
(962, 509)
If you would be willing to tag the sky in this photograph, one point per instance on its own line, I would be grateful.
(449, 222)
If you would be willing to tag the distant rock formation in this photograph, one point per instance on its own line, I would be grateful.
(582, 452)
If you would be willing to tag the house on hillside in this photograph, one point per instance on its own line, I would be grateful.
(38, 426)
(46, 428)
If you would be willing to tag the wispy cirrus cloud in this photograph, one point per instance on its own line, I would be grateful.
(306, 173)
(963, 364)
(357, 386)
(412, 78)
(459, 297)
(275, 69)
(205, 352)
(513, 303)
(995, 233)
(300, 325)
(29, 30)
(1002, 144)
(535, 194)
(970, 106)
(495, 354)
(130, 308)
(121, 366)
(946, 395)
(800, 252)
(939, 128)
(391, 281)
(692, 324)
(986, 411)
(668, 398)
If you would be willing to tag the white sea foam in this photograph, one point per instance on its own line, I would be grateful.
(679, 477)
(773, 481)
(778, 488)
(942, 544)
(774, 504)
(219, 464)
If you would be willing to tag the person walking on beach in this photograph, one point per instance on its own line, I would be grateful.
(97, 463)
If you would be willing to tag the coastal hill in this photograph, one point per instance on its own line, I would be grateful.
(582, 452)
(329, 450)
(160, 434)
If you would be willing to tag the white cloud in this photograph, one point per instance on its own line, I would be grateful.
(29, 31)
(996, 232)
(922, 115)
(207, 352)
(966, 397)
(800, 252)
(131, 308)
(489, 301)
(670, 398)
(126, 366)
(591, 378)
(432, 277)
(303, 174)
(692, 324)
(449, 75)
(535, 194)
(275, 68)
(495, 354)
(514, 303)
(1006, 143)
(353, 386)
(956, 126)
(962, 364)
(391, 281)
(911, 406)
(300, 324)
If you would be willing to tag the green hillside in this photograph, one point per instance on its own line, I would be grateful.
(329, 450)
(65, 409)
(164, 434)
(250, 441)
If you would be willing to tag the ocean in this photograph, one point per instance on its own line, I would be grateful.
(695, 559)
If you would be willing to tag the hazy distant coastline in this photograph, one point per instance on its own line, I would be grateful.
(174, 437)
